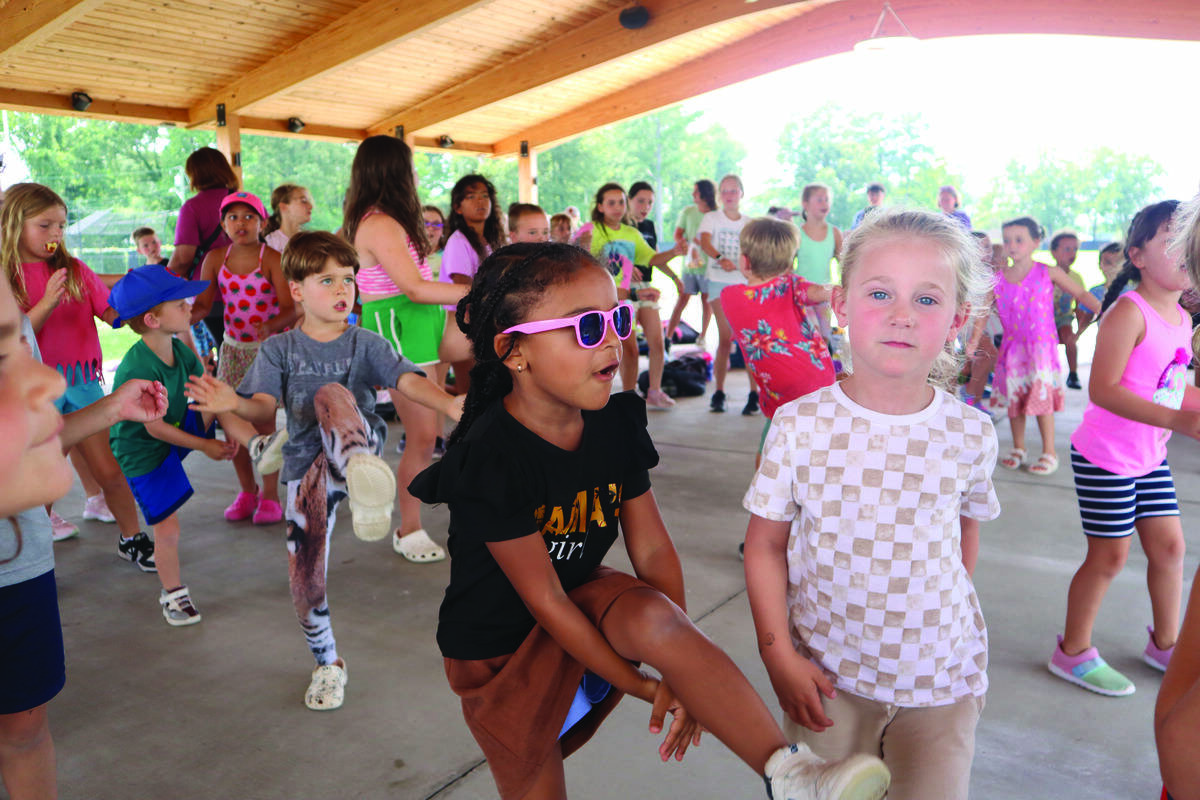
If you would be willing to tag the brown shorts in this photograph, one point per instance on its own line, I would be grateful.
(515, 705)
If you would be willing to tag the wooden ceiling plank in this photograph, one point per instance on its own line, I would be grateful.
(25, 24)
(599, 41)
(368, 29)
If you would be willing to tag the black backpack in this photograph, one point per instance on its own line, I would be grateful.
(686, 376)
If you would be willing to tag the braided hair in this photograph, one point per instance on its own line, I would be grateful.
(508, 283)
(1142, 229)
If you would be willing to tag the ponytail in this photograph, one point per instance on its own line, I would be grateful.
(1142, 229)
(1127, 273)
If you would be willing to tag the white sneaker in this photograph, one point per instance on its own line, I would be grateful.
(177, 607)
(796, 773)
(96, 507)
(327, 690)
(60, 529)
(371, 489)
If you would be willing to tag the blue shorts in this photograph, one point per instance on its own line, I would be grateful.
(1110, 504)
(34, 670)
(163, 490)
(694, 283)
(79, 395)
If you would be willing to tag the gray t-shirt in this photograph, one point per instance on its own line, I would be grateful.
(36, 555)
(292, 366)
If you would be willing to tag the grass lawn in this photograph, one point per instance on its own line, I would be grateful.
(115, 341)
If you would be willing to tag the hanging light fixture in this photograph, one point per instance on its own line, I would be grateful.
(882, 39)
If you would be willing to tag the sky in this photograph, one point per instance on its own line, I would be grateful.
(990, 99)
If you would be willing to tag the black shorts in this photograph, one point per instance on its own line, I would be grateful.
(33, 669)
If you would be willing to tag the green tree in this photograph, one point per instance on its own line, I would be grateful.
(846, 150)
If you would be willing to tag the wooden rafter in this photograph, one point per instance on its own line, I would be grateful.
(24, 24)
(364, 31)
(599, 41)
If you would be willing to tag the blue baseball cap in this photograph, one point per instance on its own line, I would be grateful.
(143, 288)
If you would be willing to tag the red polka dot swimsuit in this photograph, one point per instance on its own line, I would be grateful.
(250, 300)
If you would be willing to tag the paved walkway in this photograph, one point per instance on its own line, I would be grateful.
(216, 711)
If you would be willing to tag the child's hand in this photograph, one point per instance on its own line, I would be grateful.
(55, 287)
(684, 730)
(140, 401)
(727, 265)
(799, 684)
(211, 395)
(261, 331)
(455, 409)
(219, 449)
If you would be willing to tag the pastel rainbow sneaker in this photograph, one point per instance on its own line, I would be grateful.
(795, 772)
(1090, 671)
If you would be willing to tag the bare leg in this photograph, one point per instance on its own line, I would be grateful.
(1018, 431)
(652, 327)
(1104, 560)
(96, 451)
(27, 755)
(724, 345)
(677, 313)
(1066, 337)
(166, 552)
(1162, 541)
(643, 625)
(90, 487)
(420, 431)
(245, 472)
(1046, 428)
(705, 315)
(981, 366)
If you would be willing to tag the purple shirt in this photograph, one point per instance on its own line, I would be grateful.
(199, 217)
(459, 258)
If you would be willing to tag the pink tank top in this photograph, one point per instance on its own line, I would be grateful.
(249, 300)
(1157, 371)
(374, 280)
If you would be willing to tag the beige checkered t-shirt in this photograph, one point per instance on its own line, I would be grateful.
(877, 591)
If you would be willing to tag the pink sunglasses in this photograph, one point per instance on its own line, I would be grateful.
(589, 326)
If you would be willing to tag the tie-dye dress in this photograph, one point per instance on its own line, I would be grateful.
(1027, 367)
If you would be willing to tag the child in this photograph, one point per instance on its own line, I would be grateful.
(1064, 247)
(34, 473)
(875, 193)
(436, 233)
(561, 228)
(1138, 394)
(1176, 711)
(538, 637)
(291, 208)
(1027, 367)
(865, 520)
(247, 276)
(820, 244)
(401, 303)
(1112, 259)
(719, 232)
(641, 202)
(527, 223)
(199, 337)
(156, 306)
(62, 297)
(325, 374)
(687, 235)
(620, 246)
(784, 353)
(949, 202)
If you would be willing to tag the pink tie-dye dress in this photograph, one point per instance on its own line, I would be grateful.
(1027, 367)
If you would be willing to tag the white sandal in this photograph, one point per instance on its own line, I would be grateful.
(1047, 464)
(1014, 459)
(417, 547)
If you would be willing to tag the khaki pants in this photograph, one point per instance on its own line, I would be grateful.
(928, 749)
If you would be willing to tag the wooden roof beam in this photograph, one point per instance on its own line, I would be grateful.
(363, 32)
(599, 41)
(24, 24)
(828, 29)
(117, 110)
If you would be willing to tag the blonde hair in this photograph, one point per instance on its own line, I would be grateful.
(973, 280)
(21, 202)
(735, 179)
(1185, 240)
(769, 244)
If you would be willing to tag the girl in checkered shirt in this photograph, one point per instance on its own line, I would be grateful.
(865, 520)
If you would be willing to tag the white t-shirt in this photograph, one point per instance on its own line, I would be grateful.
(877, 592)
(277, 239)
(725, 233)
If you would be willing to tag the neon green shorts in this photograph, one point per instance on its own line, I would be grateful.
(414, 329)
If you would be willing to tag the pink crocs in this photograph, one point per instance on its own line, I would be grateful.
(268, 512)
(243, 507)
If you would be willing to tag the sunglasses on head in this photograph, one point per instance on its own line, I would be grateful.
(590, 326)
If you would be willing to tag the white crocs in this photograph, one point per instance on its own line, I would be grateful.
(417, 547)
(328, 687)
(795, 772)
(266, 451)
(371, 489)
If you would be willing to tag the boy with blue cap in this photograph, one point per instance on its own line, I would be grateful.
(154, 303)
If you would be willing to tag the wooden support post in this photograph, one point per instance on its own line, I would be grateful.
(229, 141)
(527, 189)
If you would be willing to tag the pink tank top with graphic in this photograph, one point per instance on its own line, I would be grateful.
(1157, 371)
(250, 300)
(374, 280)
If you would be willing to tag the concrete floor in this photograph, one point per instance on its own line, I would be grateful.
(216, 710)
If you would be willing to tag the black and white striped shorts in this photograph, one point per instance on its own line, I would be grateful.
(1110, 503)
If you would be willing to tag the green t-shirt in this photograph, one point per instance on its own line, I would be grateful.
(689, 220)
(137, 452)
